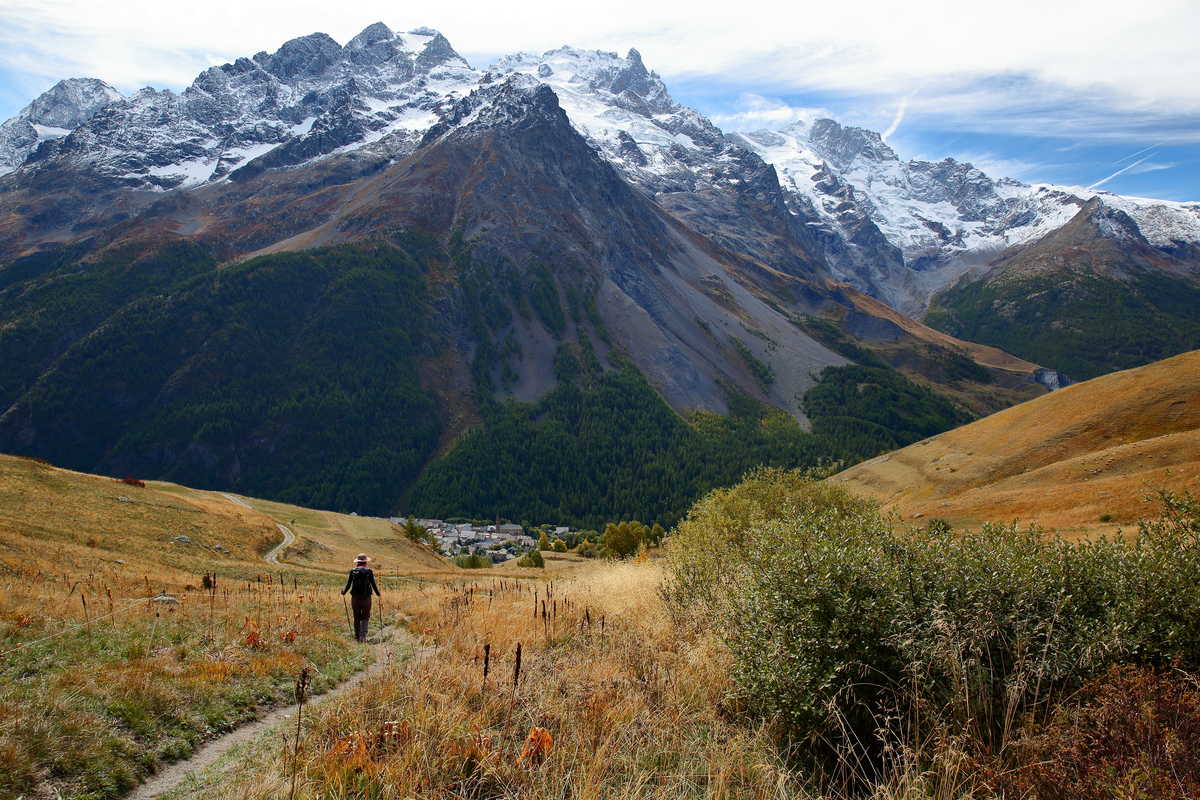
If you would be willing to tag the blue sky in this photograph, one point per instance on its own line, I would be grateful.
(1076, 92)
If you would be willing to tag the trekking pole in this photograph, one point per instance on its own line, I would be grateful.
(381, 615)
(348, 622)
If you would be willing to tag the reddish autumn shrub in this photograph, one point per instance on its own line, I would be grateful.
(134, 482)
(1133, 734)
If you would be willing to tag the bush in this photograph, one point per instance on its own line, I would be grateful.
(1134, 733)
(836, 624)
(559, 546)
(622, 539)
(532, 559)
(416, 533)
(473, 561)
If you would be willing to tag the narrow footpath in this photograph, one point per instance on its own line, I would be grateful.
(288, 537)
(172, 775)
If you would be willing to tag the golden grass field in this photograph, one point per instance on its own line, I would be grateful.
(100, 681)
(613, 699)
(1082, 460)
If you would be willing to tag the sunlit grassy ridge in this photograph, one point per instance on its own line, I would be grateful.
(1086, 458)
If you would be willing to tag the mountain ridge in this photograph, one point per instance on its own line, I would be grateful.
(901, 231)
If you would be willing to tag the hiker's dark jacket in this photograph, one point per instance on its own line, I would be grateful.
(361, 582)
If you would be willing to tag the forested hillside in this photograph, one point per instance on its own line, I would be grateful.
(604, 445)
(292, 375)
(319, 377)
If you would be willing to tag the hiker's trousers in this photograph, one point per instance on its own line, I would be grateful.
(361, 605)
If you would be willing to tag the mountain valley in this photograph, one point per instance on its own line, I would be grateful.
(383, 237)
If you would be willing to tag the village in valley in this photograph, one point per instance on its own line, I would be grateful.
(498, 542)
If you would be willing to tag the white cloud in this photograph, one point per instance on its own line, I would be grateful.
(1142, 53)
(896, 120)
(754, 111)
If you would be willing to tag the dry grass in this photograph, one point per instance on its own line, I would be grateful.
(628, 706)
(98, 683)
(1095, 450)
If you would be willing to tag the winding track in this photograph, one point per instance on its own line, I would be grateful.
(288, 537)
(272, 557)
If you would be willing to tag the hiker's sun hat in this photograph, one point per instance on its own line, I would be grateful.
(361, 558)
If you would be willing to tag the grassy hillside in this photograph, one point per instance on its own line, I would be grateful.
(98, 681)
(1084, 458)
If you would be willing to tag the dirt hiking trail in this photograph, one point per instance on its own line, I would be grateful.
(172, 775)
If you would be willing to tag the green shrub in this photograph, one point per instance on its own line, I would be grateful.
(838, 625)
(532, 559)
(622, 539)
(473, 561)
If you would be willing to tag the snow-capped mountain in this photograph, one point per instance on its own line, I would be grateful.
(54, 114)
(814, 196)
(310, 98)
(944, 218)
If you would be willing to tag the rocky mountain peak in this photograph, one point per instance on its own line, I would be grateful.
(309, 55)
(51, 115)
(71, 102)
(372, 34)
(842, 145)
(623, 82)
(1111, 222)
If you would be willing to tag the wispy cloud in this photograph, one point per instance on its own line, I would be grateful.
(1153, 166)
(896, 120)
(1121, 171)
(752, 111)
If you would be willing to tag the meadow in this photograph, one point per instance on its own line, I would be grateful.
(608, 697)
(788, 641)
(138, 620)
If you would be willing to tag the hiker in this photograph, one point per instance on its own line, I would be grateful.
(360, 584)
